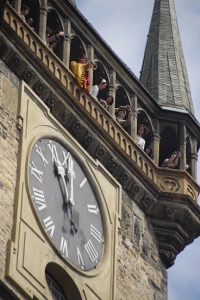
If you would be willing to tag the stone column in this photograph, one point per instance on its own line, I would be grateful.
(134, 100)
(193, 160)
(155, 142)
(17, 6)
(67, 42)
(112, 91)
(183, 146)
(43, 20)
(90, 50)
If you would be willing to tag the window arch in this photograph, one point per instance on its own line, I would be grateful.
(101, 72)
(55, 289)
(63, 285)
(168, 144)
(34, 6)
(143, 118)
(76, 48)
(55, 24)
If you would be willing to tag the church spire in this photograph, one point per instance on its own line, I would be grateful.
(163, 71)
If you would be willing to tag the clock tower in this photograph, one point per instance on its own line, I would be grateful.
(85, 213)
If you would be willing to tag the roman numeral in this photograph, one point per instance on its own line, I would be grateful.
(93, 208)
(89, 247)
(37, 173)
(54, 157)
(39, 199)
(48, 223)
(65, 159)
(83, 182)
(39, 151)
(96, 234)
(63, 247)
(80, 259)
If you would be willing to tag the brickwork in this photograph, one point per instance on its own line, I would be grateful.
(140, 273)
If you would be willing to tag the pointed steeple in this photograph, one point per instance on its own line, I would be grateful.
(163, 71)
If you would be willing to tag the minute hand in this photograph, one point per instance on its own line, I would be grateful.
(61, 172)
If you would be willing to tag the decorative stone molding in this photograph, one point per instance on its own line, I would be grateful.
(168, 257)
(169, 184)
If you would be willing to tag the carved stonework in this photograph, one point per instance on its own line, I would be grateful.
(77, 128)
(100, 151)
(170, 212)
(40, 88)
(88, 140)
(190, 191)
(15, 62)
(146, 202)
(112, 165)
(3, 49)
(133, 189)
(168, 257)
(27, 75)
(51, 100)
(169, 184)
(123, 178)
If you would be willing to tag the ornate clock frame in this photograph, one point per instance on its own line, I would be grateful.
(31, 253)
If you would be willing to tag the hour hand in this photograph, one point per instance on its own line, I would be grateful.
(61, 173)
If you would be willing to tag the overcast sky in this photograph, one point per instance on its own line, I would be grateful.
(124, 25)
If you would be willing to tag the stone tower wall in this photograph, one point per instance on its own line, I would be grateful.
(9, 143)
(140, 273)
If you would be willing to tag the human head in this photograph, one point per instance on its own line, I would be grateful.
(29, 21)
(48, 31)
(109, 100)
(149, 151)
(82, 58)
(101, 83)
(121, 114)
(25, 10)
(141, 130)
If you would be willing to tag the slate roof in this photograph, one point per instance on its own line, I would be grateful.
(164, 72)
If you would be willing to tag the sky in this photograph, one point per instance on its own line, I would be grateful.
(124, 26)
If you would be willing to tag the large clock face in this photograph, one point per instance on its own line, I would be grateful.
(66, 204)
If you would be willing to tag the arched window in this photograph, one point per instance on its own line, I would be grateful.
(168, 144)
(76, 48)
(142, 118)
(122, 100)
(61, 285)
(55, 290)
(101, 72)
(54, 23)
(33, 14)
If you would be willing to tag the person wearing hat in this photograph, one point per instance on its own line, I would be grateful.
(121, 114)
(139, 137)
(99, 86)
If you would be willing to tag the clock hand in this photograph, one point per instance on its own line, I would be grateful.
(73, 226)
(61, 172)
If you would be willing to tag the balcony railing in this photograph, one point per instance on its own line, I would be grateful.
(34, 49)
